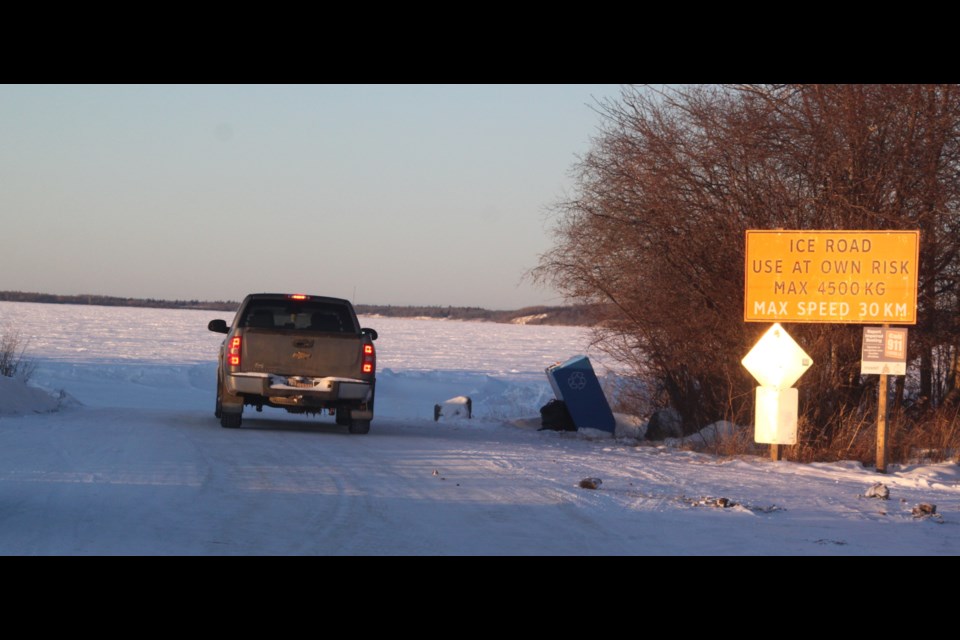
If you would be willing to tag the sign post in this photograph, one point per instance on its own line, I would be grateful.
(853, 277)
(776, 361)
(882, 425)
(885, 352)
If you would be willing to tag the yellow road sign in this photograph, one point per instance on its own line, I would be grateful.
(863, 277)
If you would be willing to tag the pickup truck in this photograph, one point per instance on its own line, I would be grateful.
(297, 352)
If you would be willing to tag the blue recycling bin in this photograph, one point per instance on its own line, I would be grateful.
(575, 383)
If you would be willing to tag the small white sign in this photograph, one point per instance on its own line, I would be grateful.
(776, 421)
(776, 360)
(884, 351)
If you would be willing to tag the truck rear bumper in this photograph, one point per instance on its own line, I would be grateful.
(300, 389)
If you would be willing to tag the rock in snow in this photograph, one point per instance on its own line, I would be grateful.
(879, 490)
(591, 483)
(665, 423)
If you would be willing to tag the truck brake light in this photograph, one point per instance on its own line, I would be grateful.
(369, 359)
(233, 355)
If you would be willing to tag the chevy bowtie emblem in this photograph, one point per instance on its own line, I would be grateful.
(301, 355)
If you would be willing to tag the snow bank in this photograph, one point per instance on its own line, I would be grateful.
(529, 319)
(17, 397)
(413, 394)
(707, 436)
(630, 426)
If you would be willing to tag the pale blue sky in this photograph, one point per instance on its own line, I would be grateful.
(432, 195)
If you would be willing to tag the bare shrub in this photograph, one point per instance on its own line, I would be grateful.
(13, 360)
(850, 436)
(654, 232)
(934, 437)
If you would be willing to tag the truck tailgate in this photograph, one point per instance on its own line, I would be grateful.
(302, 354)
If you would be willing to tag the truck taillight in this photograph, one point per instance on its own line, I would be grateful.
(369, 359)
(233, 354)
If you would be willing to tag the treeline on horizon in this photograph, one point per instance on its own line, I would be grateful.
(578, 315)
(114, 301)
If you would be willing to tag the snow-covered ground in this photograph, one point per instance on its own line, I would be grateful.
(129, 459)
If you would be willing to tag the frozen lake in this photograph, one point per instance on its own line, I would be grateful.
(78, 333)
(152, 357)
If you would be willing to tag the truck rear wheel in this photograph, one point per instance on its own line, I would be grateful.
(218, 410)
(360, 427)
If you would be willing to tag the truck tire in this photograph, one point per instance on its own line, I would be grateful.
(360, 427)
(230, 420)
(218, 410)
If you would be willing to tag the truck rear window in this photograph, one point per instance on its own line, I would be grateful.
(307, 315)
